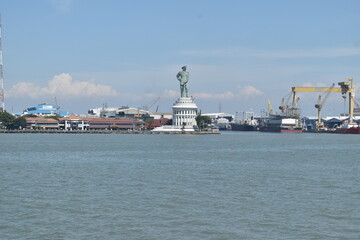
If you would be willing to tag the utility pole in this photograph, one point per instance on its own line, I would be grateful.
(2, 97)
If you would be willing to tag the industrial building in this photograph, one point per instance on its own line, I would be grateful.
(44, 109)
(122, 112)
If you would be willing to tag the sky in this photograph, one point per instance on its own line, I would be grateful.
(239, 53)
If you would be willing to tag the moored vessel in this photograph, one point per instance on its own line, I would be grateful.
(347, 128)
(243, 127)
(282, 124)
(248, 123)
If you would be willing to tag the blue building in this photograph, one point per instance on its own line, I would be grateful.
(44, 109)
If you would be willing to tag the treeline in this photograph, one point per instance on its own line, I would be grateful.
(11, 122)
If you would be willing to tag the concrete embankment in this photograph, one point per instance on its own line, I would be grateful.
(102, 132)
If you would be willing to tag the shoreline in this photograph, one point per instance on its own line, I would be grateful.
(103, 132)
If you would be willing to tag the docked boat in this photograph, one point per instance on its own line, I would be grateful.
(243, 126)
(348, 128)
(248, 123)
(282, 124)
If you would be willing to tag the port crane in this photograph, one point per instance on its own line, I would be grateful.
(346, 87)
(149, 105)
(319, 105)
(285, 103)
(288, 109)
(270, 109)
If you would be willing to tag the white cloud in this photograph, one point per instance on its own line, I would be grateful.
(171, 94)
(250, 91)
(61, 85)
(23, 89)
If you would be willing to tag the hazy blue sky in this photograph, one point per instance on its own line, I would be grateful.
(239, 53)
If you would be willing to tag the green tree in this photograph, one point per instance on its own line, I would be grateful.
(149, 123)
(11, 122)
(19, 122)
(202, 121)
(7, 120)
(29, 115)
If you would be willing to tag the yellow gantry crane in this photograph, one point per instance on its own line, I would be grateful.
(345, 87)
(319, 105)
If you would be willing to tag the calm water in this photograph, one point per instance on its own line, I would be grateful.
(228, 186)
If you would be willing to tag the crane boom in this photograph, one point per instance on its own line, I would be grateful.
(150, 104)
(317, 89)
(327, 94)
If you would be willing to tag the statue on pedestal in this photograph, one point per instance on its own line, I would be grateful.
(183, 77)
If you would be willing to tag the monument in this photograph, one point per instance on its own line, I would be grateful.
(184, 109)
(183, 77)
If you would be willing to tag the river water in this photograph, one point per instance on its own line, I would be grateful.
(236, 185)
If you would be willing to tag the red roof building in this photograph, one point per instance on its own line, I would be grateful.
(153, 123)
(113, 123)
(41, 123)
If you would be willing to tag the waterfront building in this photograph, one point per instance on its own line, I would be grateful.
(76, 123)
(41, 123)
(114, 124)
(73, 122)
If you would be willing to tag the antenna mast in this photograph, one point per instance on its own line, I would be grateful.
(2, 103)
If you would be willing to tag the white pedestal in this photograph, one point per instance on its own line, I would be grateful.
(184, 114)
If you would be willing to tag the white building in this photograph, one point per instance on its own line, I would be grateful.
(73, 122)
(160, 115)
(112, 112)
